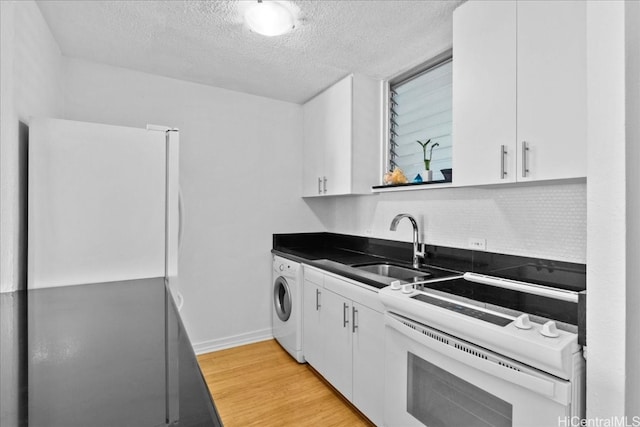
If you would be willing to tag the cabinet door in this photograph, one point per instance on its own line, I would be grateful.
(368, 362)
(338, 340)
(552, 89)
(484, 92)
(312, 330)
(338, 144)
(315, 118)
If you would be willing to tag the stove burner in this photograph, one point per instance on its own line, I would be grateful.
(562, 311)
(467, 311)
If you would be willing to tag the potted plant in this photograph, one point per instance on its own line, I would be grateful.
(426, 175)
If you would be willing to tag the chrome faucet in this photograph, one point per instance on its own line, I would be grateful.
(417, 253)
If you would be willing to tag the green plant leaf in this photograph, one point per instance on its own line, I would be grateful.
(431, 151)
(424, 149)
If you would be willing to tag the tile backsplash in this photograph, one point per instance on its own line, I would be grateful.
(544, 220)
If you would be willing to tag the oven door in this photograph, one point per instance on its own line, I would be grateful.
(434, 379)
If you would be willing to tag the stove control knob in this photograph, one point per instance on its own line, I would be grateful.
(408, 288)
(523, 322)
(396, 285)
(550, 330)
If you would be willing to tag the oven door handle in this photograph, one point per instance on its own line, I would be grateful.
(557, 390)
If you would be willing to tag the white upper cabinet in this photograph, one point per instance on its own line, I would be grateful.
(484, 92)
(519, 91)
(552, 89)
(342, 134)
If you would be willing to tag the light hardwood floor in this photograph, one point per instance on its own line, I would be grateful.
(261, 385)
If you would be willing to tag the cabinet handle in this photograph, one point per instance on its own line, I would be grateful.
(525, 155)
(503, 153)
(325, 184)
(353, 320)
(318, 299)
(345, 314)
(319, 185)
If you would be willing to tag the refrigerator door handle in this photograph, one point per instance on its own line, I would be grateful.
(180, 219)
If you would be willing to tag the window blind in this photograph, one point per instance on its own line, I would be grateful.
(419, 110)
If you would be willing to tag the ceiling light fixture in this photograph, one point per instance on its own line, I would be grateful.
(270, 18)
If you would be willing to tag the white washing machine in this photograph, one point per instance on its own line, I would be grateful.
(286, 297)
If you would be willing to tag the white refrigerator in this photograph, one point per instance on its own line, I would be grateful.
(103, 203)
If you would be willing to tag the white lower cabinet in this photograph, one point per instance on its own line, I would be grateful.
(338, 340)
(368, 362)
(312, 333)
(343, 337)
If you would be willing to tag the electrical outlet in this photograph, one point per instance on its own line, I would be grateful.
(477, 244)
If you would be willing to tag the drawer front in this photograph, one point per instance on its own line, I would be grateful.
(314, 276)
(353, 290)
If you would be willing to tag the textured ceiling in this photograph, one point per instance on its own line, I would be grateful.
(206, 41)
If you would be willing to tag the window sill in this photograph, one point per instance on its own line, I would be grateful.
(411, 186)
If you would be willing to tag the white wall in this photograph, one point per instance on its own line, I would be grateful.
(30, 83)
(30, 64)
(613, 367)
(545, 220)
(606, 204)
(632, 124)
(240, 177)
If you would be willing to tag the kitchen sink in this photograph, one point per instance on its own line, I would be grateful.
(394, 271)
(399, 272)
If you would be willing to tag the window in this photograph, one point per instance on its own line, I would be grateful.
(419, 110)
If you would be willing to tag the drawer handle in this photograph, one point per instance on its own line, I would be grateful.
(319, 185)
(318, 299)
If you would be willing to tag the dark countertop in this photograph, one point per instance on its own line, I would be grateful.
(109, 354)
(343, 262)
(312, 248)
(338, 253)
(339, 262)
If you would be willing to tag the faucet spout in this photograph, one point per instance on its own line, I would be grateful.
(417, 253)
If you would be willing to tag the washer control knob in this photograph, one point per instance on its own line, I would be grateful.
(408, 288)
(550, 330)
(281, 267)
(523, 322)
(396, 285)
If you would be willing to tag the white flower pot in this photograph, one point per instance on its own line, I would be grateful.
(426, 175)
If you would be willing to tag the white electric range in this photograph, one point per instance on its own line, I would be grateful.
(463, 352)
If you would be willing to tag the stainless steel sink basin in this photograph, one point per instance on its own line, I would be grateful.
(394, 271)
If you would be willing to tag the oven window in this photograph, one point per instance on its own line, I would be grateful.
(438, 398)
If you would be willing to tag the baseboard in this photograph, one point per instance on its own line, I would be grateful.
(232, 341)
